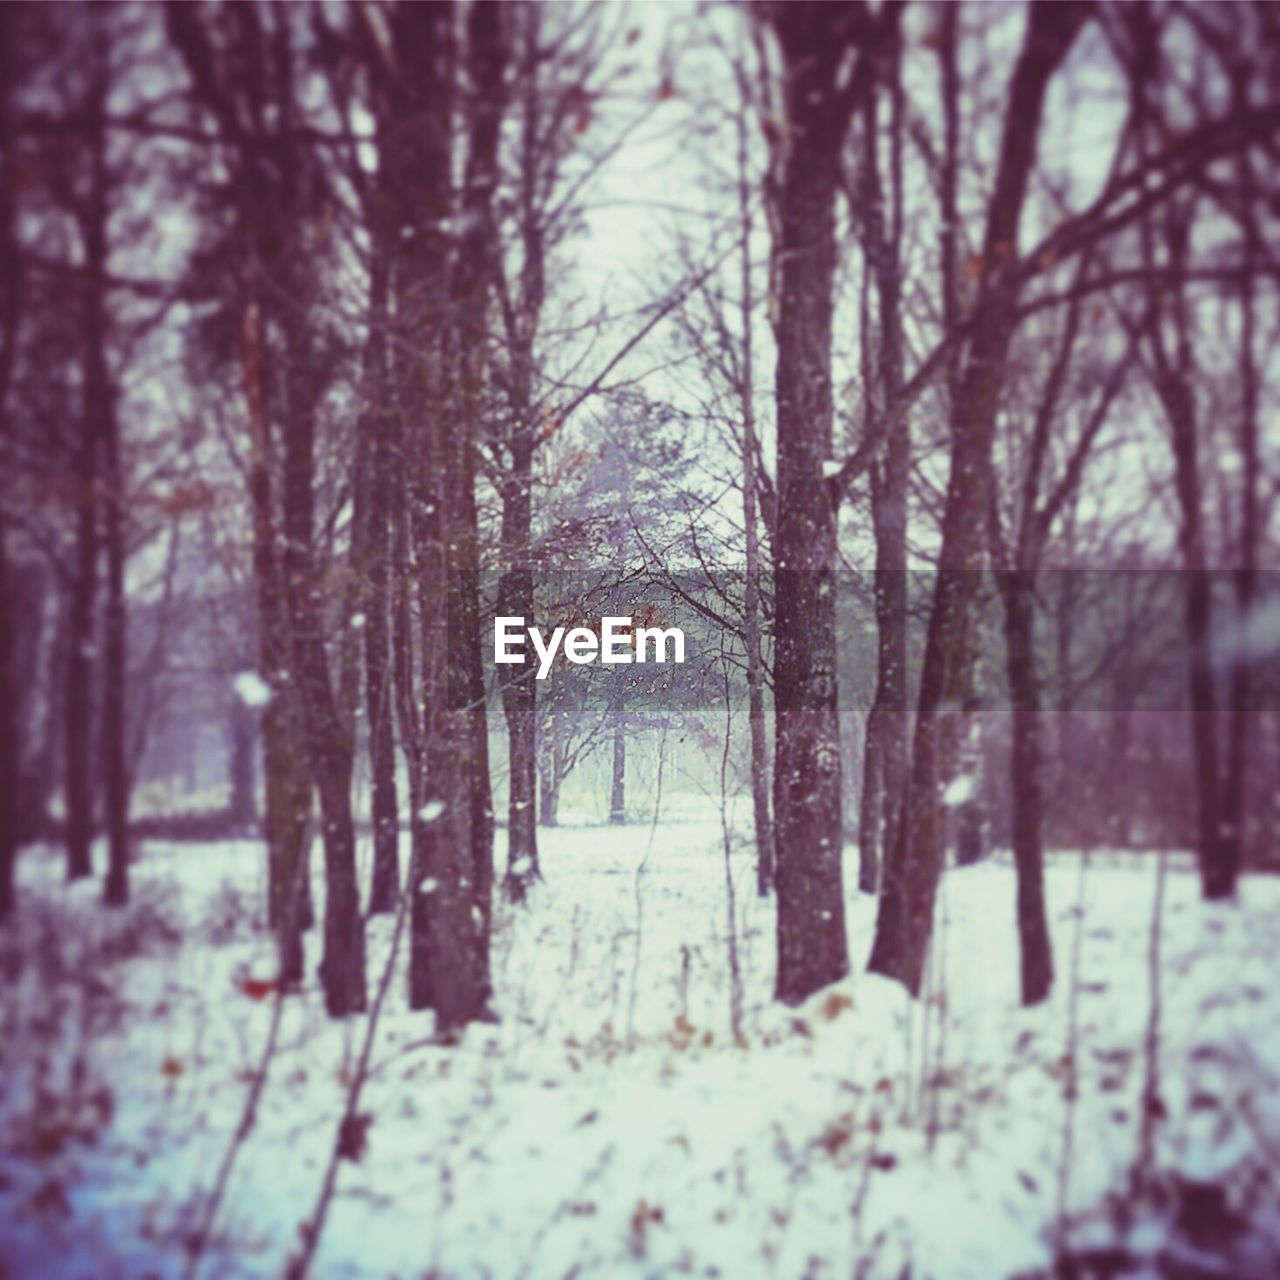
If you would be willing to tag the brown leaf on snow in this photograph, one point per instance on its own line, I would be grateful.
(835, 1004)
(257, 988)
(50, 1200)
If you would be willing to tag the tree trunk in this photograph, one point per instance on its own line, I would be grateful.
(106, 431)
(516, 591)
(9, 815)
(10, 311)
(549, 780)
(519, 692)
(1216, 849)
(115, 674)
(241, 772)
(449, 925)
(330, 750)
(885, 759)
(520, 705)
(286, 780)
(761, 781)
(415, 125)
(78, 773)
(812, 946)
(970, 813)
(385, 887)
(904, 922)
(871, 803)
(1027, 788)
(618, 783)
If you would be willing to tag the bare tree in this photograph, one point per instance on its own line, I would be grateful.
(905, 916)
(821, 92)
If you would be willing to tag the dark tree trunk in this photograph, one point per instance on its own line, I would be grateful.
(330, 749)
(519, 702)
(970, 814)
(286, 779)
(78, 709)
(1173, 374)
(549, 788)
(385, 887)
(78, 782)
(263, 199)
(905, 918)
(449, 924)
(9, 815)
(9, 757)
(1251, 518)
(871, 803)
(1217, 846)
(1026, 781)
(812, 946)
(761, 779)
(519, 696)
(106, 430)
(516, 591)
(885, 759)
(415, 126)
(115, 675)
(241, 732)
(10, 310)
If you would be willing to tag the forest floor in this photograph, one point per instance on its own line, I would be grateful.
(612, 1124)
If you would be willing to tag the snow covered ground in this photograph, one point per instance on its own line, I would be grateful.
(611, 1124)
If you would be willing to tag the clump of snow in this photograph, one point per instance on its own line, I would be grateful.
(252, 689)
(959, 791)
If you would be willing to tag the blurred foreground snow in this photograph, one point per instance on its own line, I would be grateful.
(610, 1126)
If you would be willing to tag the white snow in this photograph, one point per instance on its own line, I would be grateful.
(959, 791)
(252, 689)
(610, 1125)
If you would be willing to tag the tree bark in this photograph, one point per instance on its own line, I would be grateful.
(286, 780)
(618, 775)
(884, 761)
(452, 878)
(78, 787)
(241, 732)
(10, 311)
(1025, 776)
(761, 780)
(107, 432)
(1173, 373)
(905, 918)
(516, 590)
(330, 750)
(550, 775)
(384, 890)
(416, 134)
(812, 947)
